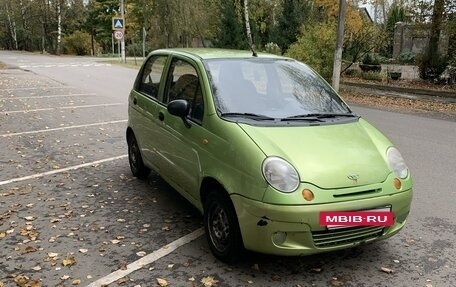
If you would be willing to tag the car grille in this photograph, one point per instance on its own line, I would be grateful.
(341, 236)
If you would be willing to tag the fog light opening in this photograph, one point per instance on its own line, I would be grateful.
(397, 183)
(278, 238)
(307, 194)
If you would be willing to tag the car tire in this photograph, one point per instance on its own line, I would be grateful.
(222, 227)
(138, 169)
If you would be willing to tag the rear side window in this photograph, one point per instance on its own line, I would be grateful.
(150, 78)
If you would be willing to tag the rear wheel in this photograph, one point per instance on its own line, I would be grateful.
(134, 158)
(222, 227)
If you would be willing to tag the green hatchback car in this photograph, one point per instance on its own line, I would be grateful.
(269, 153)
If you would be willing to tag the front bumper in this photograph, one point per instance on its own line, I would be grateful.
(263, 225)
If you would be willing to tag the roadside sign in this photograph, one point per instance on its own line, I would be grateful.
(118, 35)
(118, 23)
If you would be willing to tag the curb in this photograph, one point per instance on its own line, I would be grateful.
(444, 94)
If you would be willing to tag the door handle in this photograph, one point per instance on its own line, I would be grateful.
(135, 101)
(161, 116)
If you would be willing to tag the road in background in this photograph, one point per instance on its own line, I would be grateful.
(71, 213)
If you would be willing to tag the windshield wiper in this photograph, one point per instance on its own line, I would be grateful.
(318, 116)
(253, 116)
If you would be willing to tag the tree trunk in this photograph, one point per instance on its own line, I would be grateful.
(27, 43)
(12, 27)
(339, 45)
(439, 6)
(59, 28)
(247, 23)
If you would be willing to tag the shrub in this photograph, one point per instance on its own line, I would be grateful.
(370, 60)
(372, 76)
(406, 58)
(78, 43)
(272, 48)
(315, 47)
(431, 66)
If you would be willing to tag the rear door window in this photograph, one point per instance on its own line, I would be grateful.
(151, 75)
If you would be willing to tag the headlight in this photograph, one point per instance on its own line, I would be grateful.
(280, 174)
(396, 162)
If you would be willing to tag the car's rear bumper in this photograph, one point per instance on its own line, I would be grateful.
(263, 225)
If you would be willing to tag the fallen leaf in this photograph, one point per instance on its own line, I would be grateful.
(29, 249)
(165, 228)
(386, 270)
(2, 235)
(276, 277)
(29, 218)
(121, 281)
(76, 282)
(64, 277)
(336, 283)
(36, 268)
(123, 266)
(115, 241)
(209, 281)
(69, 261)
(141, 253)
(21, 280)
(162, 282)
(52, 254)
(82, 250)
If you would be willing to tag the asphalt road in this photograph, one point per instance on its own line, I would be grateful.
(72, 214)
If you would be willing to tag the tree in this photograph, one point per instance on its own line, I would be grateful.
(432, 64)
(315, 47)
(294, 13)
(230, 33)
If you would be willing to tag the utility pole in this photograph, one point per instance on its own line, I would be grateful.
(122, 42)
(339, 46)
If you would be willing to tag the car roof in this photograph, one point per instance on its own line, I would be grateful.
(216, 53)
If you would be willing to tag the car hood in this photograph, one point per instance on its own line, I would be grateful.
(328, 155)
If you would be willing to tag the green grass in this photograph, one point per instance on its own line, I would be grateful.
(130, 63)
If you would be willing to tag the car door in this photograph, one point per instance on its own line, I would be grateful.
(183, 146)
(143, 109)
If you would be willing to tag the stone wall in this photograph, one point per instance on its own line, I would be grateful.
(414, 38)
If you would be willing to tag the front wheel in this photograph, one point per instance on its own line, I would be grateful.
(222, 227)
(137, 166)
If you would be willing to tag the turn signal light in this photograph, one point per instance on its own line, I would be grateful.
(307, 194)
(397, 183)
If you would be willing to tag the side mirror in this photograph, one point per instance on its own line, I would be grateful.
(180, 108)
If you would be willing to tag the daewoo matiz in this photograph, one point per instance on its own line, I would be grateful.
(263, 146)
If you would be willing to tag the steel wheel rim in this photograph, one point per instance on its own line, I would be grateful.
(219, 227)
(134, 155)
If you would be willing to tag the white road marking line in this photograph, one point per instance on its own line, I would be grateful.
(62, 128)
(148, 259)
(50, 96)
(62, 65)
(61, 108)
(36, 88)
(60, 170)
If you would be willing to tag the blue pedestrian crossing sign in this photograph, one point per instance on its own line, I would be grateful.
(118, 23)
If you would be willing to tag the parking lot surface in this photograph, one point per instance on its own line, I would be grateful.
(72, 214)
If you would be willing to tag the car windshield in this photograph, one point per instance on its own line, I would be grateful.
(271, 88)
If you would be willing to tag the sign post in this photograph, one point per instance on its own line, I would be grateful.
(118, 26)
